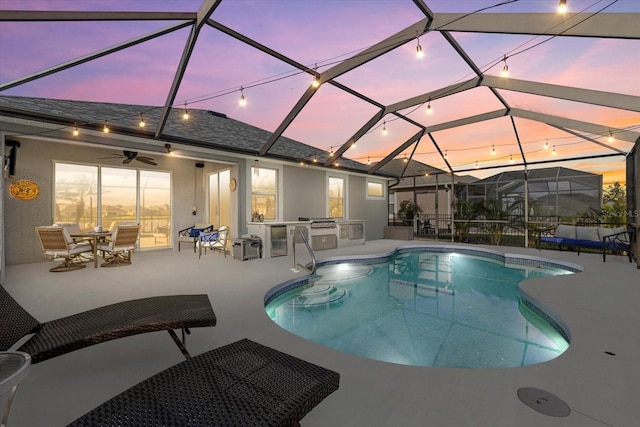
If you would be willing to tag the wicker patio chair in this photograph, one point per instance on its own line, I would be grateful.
(123, 319)
(123, 241)
(54, 245)
(240, 384)
(190, 234)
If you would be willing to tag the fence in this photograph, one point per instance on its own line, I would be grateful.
(506, 232)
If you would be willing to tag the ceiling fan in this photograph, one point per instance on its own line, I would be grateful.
(129, 156)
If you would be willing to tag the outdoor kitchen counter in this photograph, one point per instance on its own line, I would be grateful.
(319, 235)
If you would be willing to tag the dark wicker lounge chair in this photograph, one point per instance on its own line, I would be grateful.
(101, 324)
(240, 384)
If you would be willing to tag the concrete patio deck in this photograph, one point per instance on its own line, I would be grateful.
(599, 306)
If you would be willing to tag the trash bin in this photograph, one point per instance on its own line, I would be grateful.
(247, 248)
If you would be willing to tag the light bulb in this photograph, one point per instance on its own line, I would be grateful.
(493, 150)
(242, 101)
(445, 154)
(510, 158)
(546, 145)
(505, 67)
(419, 51)
(554, 150)
(477, 165)
(384, 128)
(105, 129)
(405, 158)
(368, 160)
(315, 159)
(142, 123)
(611, 139)
(76, 132)
(316, 82)
(429, 110)
(331, 152)
(562, 6)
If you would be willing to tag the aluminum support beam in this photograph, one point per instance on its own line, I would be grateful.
(592, 128)
(205, 11)
(588, 96)
(602, 25)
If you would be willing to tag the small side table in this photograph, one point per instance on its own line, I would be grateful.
(14, 367)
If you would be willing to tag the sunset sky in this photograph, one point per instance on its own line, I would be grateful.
(320, 34)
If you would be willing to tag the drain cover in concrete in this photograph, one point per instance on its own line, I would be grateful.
(543, 402)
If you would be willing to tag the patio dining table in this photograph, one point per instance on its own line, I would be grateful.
(93, 237)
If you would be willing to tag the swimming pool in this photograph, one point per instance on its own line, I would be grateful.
(447, 307)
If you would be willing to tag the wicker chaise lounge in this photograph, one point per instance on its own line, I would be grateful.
(60, 336)
(240, 384)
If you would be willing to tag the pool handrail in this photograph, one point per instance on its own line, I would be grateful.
(306, 243)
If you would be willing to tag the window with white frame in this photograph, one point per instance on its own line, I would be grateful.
(336, 197)
(375, 190)
(264, 192)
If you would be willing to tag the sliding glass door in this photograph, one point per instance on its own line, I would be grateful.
(98, 195)
(220, 198)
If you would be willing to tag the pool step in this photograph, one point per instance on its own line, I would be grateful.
(319, 294)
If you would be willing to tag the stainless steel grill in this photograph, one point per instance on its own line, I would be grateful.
(320, 222)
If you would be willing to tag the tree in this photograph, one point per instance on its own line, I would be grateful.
(407, 210)
(614, 201)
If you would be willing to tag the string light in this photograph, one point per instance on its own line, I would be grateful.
(445, 154)
(405, 158)
(142, 123)
(429, 110)
(105, 129)
(353, 145)
(368, 160)
(243, 100)
(546, 144)
(562, 6)
(76, 132)
(419, 51)
(169, 149)
(493, 150)
(331, 151)
(426, 174)
(477, 165)
(185, 115)
(554, 151)
(510, 158)
(384, 128)
(315, 159)
(611, 139)
(505, 67)
(315, 83)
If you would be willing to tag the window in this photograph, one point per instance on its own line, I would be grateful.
(264, 192)
(91, 195)
(76, 194)
(336, 197)
(375, 190)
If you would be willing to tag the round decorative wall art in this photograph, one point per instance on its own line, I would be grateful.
(24, 190)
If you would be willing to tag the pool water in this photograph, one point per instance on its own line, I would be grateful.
(423, 309)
